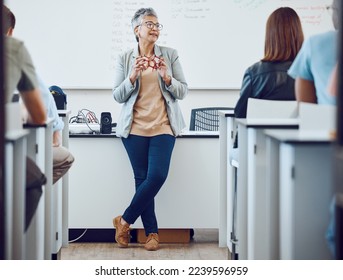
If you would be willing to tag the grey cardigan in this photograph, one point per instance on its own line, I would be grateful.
(126, 93)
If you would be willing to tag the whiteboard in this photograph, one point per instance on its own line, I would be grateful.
(74, 43)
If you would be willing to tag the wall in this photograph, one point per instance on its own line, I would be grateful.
(75, 43)
(81, 43)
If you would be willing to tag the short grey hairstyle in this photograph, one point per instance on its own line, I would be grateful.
(139, 15)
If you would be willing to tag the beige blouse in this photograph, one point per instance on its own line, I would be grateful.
(150, 116)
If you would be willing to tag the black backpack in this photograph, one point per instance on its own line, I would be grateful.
(59, 96)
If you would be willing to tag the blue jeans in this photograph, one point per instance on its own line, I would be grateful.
(150, 160)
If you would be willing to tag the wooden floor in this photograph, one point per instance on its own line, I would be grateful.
(203, 246)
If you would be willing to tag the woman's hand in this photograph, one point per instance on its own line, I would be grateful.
(141, 64)
(163, 71)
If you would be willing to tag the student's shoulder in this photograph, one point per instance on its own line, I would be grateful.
(257, 67)
(17, 50)
(14, 44)
(323, 37)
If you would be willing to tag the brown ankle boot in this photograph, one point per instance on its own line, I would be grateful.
(152, 241)
(122, 233)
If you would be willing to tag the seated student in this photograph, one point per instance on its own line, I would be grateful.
(62, 158)
(20, 74)
(313, 66)
(268, 79)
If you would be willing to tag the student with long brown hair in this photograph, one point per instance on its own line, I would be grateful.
(268, 78)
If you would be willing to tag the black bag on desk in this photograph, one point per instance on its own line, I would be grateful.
(35, 179)
(59, 96)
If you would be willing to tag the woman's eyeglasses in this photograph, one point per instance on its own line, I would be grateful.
(151, 25)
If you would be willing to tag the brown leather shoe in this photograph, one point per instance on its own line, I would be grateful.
(122, 233)
(152, 241)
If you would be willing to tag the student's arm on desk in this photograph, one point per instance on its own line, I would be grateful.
(34, 105)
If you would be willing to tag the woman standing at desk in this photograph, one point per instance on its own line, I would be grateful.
(148, 82)
(268, 78)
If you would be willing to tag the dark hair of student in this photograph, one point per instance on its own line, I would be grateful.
(284, 35)
(8, 19)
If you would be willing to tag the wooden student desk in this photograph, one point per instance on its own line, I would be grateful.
(301, 184)
(101, 183)
(33, 141)
(226, 132)
(16, 149)
(14, 200)
(40, 231)
(45, 238)
(250, 185)
(61, 220)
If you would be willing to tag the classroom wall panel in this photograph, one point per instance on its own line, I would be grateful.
(74, 43)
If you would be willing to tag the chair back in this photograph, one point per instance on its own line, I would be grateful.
(263, 108)
(13, 116)
(206, 119)
(317, 117)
